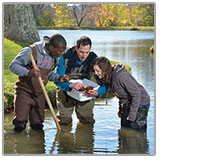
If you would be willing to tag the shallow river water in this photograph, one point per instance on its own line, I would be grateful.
(105, 136)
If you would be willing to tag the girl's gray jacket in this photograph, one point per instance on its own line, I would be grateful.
(44, 61)
(128, 90)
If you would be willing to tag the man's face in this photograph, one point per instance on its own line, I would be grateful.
(83, 52)
(58, 51)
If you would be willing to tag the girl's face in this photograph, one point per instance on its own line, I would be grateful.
(98, 72)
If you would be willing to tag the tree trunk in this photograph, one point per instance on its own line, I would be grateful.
(19, 23)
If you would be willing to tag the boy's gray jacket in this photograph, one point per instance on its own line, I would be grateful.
(44, 61)
(128, 90)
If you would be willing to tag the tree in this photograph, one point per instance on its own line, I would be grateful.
(62, 16)
(37, 9)
(43, 14)
(80, 12)
(101, 13)
(118, 14)
(142, 14)
(45, 19)
(19, 23)
(110, 14)
(148, 15)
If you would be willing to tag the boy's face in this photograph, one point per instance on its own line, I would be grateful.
(59, 51)
(83, 52)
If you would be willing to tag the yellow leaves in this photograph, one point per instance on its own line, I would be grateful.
(63, 17)
(104, 14)
(109, 14)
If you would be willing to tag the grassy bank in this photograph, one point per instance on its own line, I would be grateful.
(152, 50)
(11, 49)
(137, 28)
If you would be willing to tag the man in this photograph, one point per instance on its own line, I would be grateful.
(76, 63)
(29, 100)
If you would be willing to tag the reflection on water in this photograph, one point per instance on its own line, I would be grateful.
(27, 142)
(131, 141)
(105, 136)
(81, 142)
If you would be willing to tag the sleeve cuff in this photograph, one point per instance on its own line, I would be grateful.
(26, 72)
(57, 78)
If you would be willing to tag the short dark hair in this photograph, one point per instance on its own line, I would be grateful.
(84, 40)
(57, 41)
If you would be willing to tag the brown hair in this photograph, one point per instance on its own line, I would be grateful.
(106, 67)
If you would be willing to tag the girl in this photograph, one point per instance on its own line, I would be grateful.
(134, 101)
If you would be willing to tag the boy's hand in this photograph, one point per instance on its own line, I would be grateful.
(64, 78)
(34, 73)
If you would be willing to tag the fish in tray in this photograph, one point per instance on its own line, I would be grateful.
(87, 88)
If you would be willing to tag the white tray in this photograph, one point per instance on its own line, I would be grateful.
(78, 95)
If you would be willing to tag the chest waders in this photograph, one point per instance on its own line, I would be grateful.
(66, 104)
(141, 119)
(29, 100)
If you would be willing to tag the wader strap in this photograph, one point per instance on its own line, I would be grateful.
(56, 60)
(34, 52)
(35, 58)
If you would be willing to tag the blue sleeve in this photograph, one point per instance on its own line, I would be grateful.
(60, 70)
(102, 90)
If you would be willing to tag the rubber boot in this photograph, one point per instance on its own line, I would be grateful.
(19, 125)
(87, 120)
(38, 126)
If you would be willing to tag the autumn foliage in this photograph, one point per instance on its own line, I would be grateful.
(100, 15)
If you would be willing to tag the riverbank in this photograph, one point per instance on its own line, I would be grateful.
(11, 49)
(136, 28)
(152, 50)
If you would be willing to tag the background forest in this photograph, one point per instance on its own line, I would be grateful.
(93, 15)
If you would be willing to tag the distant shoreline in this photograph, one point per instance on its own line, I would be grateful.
(138, 28)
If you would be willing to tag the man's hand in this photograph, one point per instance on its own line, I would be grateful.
(34, 73)
(90, 93)
(64, 78)
(76, 86)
